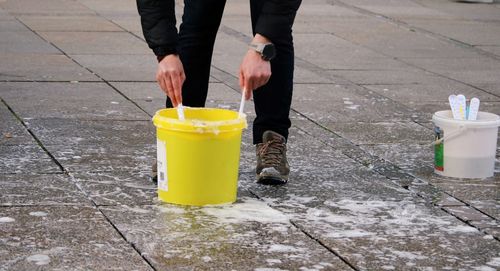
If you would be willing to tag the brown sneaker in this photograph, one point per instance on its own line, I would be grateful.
(272, 166)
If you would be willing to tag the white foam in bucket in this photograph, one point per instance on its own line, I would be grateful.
(465, 148)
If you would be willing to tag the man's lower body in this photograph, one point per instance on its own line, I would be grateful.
(197, 33)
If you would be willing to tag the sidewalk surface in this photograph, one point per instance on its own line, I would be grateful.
(77, 93)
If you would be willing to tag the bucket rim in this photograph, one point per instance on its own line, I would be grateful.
(197, 126)
(446, 116)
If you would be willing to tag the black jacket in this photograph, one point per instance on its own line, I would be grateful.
(158, 22)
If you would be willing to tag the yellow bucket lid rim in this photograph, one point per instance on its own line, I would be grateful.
(162, 121)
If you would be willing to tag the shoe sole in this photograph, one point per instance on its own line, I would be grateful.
(271, 180)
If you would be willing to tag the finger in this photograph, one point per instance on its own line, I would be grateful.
(242, 79)
(161, 82)
(171, 93)
(248, 94)
(177, 87)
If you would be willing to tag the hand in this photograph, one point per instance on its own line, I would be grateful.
(254, 71)
(170, 76)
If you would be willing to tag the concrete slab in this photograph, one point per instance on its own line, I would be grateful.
(26, 159)
(50, 7)
(417, 159)
(492, 49)
(389, 77)
(470, 32)
(68, 23)
(345, 104)
(121, 67)
(76, 132)
(40, 190)
(408, 93)
(12, 26)
(74, 101)
(383, 132)
(25, 42)
(37, 67)
(58, 238)
(247, 235)
(478, 70)
(94, 43)
(12, 132)
(105, 158)
(117, 188)
(110, 7)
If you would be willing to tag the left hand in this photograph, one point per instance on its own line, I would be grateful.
(254, 71)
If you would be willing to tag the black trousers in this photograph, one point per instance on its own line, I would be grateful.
(197, 33)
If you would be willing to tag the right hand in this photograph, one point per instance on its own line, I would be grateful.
(170, 76)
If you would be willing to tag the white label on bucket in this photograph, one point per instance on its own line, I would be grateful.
(161, 152)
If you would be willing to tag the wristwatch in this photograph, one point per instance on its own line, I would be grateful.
(266, 50)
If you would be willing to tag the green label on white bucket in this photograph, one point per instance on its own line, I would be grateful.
(439, 150)
(161, 152)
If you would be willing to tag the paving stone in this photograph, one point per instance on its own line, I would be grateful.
(111, 6)
(26, 159)
(345, 104)
(429, 92)
(247, 235)
(40, 190)
(94, 43)
(74, 100)
(52, 7)
(492, 49)
(12, 132)
(382, 132)
(92, 158)
(494, 88)
(25, 42)
(470, 32)
(11, 26)
(62, 238)
(413, 158)
(466, 213)
(68, 23)
(388, 77)
(37, 67)
(330, 52)
(71, 132)
(130, 23)
(121, 67)
(117, 188)
(469, 70)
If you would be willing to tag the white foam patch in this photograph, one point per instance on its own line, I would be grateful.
(39, 259)
(38, 213)
(494, 262)
(6, 219)
(249, 210)
(284, 248)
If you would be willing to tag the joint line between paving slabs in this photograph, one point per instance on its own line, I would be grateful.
(325, 246)
(34, 137)
(312, 237)
(88, 69)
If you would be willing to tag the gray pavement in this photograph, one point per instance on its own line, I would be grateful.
(77, 93)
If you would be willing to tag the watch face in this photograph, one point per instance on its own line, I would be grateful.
(269, 52)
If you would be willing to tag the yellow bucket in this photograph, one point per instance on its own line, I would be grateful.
(198, 158)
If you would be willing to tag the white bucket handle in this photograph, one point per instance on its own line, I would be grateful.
(460, 129)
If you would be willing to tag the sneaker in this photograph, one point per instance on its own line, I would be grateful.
(154, 172)
(272, 166)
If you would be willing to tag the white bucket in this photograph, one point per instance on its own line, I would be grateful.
(465, 148)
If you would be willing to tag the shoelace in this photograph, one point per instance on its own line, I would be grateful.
(272, 152)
